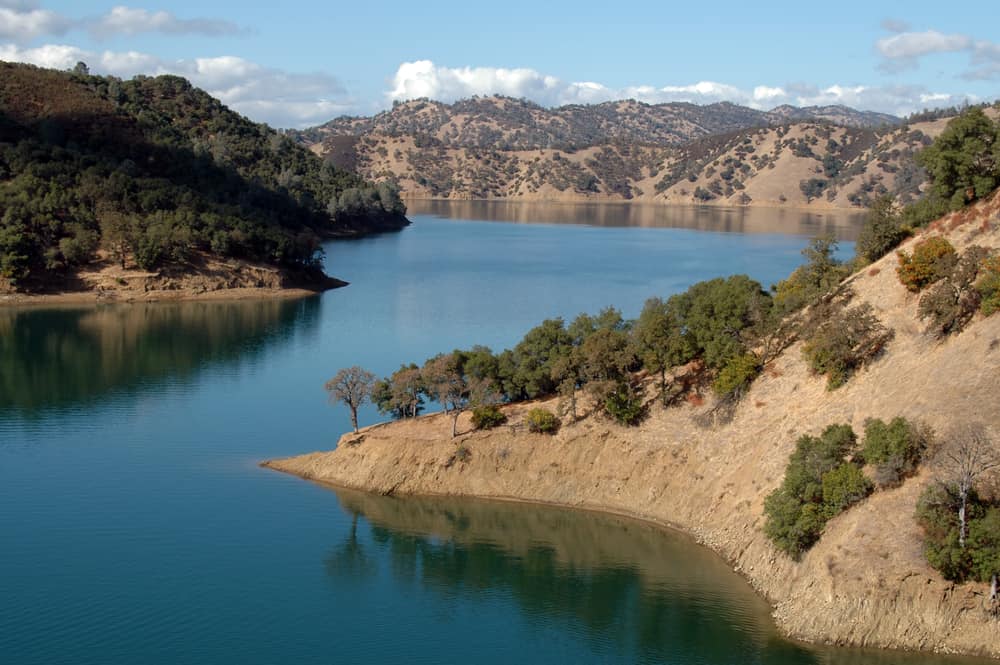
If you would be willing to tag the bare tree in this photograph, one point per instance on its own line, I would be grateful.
(352, 386)
(970, 454)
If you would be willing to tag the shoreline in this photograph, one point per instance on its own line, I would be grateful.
(640, 518)
(724, 205)
(71, 298)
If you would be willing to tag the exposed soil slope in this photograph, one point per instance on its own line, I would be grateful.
(865, 583)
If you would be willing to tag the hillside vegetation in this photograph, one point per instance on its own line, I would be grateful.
(837, 439)
(155, 173)
(720, 154)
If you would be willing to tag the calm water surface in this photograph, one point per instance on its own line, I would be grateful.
(137, 528)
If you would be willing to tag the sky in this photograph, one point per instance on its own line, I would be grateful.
(300, 63)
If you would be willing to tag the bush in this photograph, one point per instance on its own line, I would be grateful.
(951, 302)
(894, 449)
(843, 487)
(542, 421)
(932, 259)
(818, 485)
(487, 417)
(844, 343)
(989, 286)
(736, 377)
(624, 404)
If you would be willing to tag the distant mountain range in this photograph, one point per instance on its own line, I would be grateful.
(719, 154)
(517, 124)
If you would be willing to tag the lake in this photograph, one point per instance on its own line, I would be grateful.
(137, 527)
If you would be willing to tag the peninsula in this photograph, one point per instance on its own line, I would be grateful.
(691, 466)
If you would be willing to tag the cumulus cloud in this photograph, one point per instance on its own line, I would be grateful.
(23, 21)
(123, 20)
(903, 50)
(426, 79)
(280, 98)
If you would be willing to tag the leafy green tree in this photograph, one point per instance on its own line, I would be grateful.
(716, 313)
(527, 370)
(964, 161)
(352, 386)
(402, 394)
(660, 341)
(820, 275)
(882, 231)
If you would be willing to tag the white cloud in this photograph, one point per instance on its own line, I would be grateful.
(425, 79)
(908, 46)
(282, 99)
(895, 25)
(903, 51)
(130, 21)
(21, 22)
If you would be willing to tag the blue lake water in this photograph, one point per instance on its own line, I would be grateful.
(137, 528)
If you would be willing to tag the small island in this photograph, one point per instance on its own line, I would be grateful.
(152, 189)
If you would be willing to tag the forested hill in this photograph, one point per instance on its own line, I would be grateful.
(155, 173)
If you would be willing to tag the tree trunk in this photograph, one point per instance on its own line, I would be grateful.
(454, 423)
(961, 520)
(354, 418)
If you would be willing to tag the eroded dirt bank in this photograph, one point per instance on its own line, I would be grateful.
(865, 583)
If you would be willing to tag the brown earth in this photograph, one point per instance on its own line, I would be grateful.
(207, 278)
(865, 583)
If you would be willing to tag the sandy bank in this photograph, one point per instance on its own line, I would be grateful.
(866, 583)
(208, 279)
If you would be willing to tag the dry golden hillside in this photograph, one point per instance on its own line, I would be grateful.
(866, 581)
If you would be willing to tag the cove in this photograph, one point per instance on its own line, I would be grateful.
(137, 527)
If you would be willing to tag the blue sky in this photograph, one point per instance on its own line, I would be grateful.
(300, 63)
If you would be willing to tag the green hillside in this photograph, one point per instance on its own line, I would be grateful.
(154, 172)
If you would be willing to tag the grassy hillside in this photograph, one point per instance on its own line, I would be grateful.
(155, 173)
(719, 154)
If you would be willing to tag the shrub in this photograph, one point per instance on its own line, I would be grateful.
(542, 421)
(843, 487)
(844, 343)
(736, 377)
(487, 416)
(989, 285)
(624, 404)
(818, 485)
(984, 545)
(462, 453)
(951, 302)
(932, 259)
(894, 449)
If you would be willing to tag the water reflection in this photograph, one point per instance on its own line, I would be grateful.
(627, 588)
(843, 223)
(60, 357)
